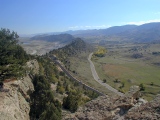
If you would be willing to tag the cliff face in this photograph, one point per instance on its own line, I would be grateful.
(14, 103)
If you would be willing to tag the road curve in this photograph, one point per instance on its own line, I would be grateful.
(96, 77)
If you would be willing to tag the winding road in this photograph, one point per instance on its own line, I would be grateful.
(73, 78)
(96, 77)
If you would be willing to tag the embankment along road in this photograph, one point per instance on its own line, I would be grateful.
(73, 78)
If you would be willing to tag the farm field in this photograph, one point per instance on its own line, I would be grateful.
(133, 64)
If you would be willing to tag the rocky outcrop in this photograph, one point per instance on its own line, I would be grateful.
(14, 103)
(33, 65)
(127, 107)
(147, 111)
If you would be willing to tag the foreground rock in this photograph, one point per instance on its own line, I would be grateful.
(148, 111)
(130, 106)
(14, 103)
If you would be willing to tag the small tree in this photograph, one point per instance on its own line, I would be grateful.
(61, 73)
(152, 83)
(71, 102)
(60, 89)
(142, 88)
(116, 80)
(123, 84)
(74, 71)
(104, 80)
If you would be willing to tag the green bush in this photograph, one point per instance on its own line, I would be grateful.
(142, 88)
(71, 102)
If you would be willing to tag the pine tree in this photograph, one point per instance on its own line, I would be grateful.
(43, 105)
(12, 55)
(71, 102)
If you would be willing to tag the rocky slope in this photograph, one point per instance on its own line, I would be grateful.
(127, 107)
(14, 103)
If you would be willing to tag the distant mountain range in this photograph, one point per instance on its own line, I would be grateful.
(149, 32)
(144, 33)
(101, 32)
(129, 33)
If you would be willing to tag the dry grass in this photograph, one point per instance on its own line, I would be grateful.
(115, 70)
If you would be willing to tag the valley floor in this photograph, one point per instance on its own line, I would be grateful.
(131, 64)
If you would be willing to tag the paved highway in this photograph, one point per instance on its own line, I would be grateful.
(96, 77)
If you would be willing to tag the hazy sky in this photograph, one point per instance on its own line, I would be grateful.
(38, 16)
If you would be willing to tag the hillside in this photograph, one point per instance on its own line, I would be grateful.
(74, 58)
(73, 49)
(27, 85)
(22, 88)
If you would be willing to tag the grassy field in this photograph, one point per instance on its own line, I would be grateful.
(131, 65)
(81, 66)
